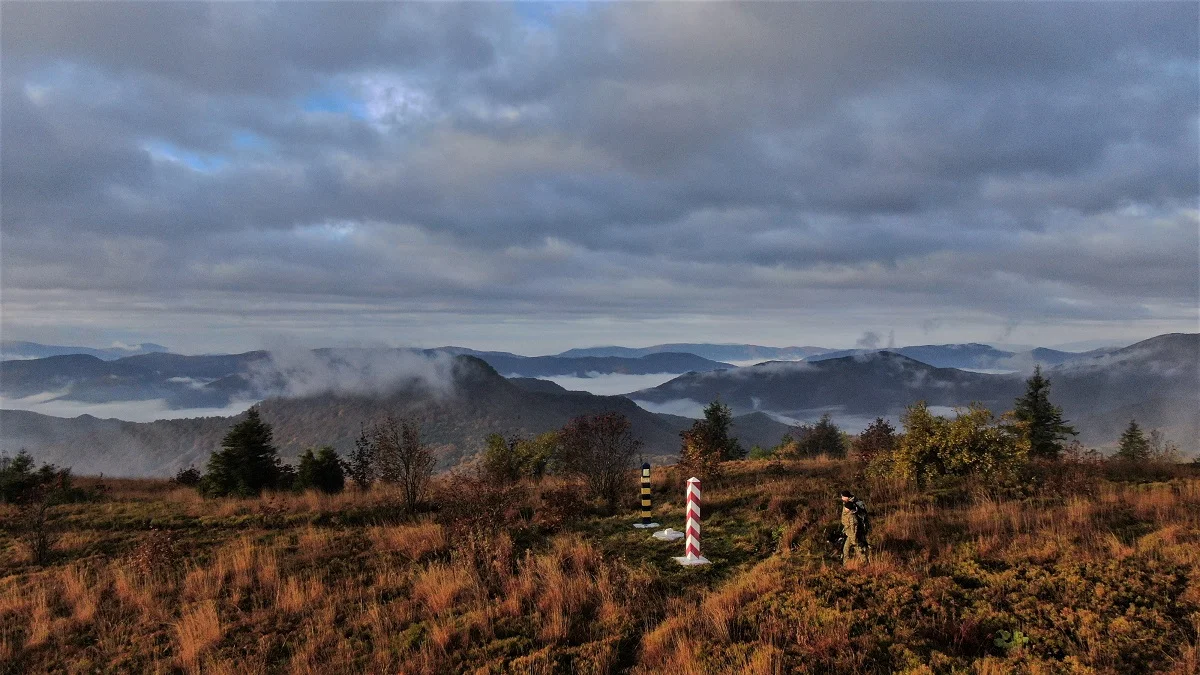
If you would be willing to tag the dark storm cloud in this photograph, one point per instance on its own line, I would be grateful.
(1028, 161)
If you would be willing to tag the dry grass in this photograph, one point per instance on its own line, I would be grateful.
(197, 630)
(321, 584)
(411, 541)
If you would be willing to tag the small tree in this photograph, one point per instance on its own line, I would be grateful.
(698, 456)
(361, 467)
(34, 492)
(247, 463)
(717, 428)
(321, 471)
(1044, 426)
(876, 443)
(538, 453)
(501, 458)
(20, 482)
(1133, 446)
(600, 449)
(402, 459)
(824, 437)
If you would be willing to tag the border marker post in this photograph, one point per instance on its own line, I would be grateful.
(646, 504)
(692, 551)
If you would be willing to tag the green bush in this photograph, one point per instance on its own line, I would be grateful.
(320, 471)
(974, 443)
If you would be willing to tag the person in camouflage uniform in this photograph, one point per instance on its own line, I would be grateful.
(855, 526)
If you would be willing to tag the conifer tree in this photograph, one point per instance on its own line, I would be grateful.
(1134, 446)
(717, 425)
(1042, 421)
(247, 462)
(361, 467)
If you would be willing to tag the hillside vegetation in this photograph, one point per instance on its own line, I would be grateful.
(1080, 570)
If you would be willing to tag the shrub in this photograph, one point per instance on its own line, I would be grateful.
(157, 554)
(600, 449)
(974, 443)
(321, 471)
(698, 458)
(473, 503)
(758, 452)
(559, 505)
(501, 458)
(402, 459)
(20, 483)
(822, 438)
(877, 440)
(189, 477)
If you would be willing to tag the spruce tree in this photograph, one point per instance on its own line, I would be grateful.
(718, 423)
(1134, 446)
(1045, 428)
(361, 467)
(247, 462)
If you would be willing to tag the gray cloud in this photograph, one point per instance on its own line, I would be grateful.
(985, 163)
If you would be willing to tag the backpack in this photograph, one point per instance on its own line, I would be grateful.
(864, 521)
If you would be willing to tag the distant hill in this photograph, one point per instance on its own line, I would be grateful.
(970, 355)
(19, 349)
(1157, 380)
(585, 366)
(534, 384)
(479, 402)
(215, 381)
(182, 381)
(716, 352)
(867, 384)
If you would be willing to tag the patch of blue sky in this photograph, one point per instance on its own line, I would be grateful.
(196, 161)
(336, 102)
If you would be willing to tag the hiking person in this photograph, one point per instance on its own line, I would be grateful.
(855, 525)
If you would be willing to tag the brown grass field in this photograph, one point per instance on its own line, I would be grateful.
(1101, 575)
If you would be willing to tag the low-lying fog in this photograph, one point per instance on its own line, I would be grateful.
(129, 411)
(612, 384)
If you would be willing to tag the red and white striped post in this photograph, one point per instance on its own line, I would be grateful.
(692, 551)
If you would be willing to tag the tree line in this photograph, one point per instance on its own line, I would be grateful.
(599, 450)
(928, 447)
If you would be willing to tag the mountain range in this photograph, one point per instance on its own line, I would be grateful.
(216, 381)
(971, 355)
(716, 352)
(1156, 381)
(20, 349)
(455, 419)
(326, 396)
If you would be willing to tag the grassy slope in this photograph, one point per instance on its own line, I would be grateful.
(1106, 580)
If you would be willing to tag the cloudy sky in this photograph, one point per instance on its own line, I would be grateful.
(536, 177)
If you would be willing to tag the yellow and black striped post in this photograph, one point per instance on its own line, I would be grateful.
(646, 516)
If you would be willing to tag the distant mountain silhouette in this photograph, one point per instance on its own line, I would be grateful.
(20, 349)
(970, 355)
(716, 352)
(480, 402)
(1157, 380)
(215, 381)
(534, 384)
